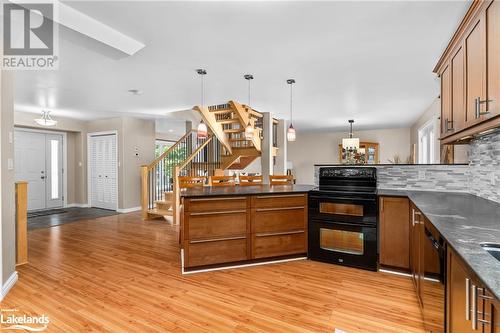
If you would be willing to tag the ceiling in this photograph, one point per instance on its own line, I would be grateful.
(370, 61)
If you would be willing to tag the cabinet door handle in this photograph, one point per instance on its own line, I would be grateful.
(280, 196)
(279, 208)
(477, 106)
(279, 233)
(474, 307)
(216, 239)
(447, 126)
(219, 212)
(467, 299)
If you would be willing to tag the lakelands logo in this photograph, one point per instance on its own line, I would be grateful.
(11, 320)
(30, 35)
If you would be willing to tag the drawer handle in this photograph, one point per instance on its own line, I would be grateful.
(216, 239)
(279, 233)
(219, 212)
(217, 199)
(467, 299)
(280, 196)
(281, 208)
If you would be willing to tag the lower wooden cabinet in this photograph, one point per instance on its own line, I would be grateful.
(394, 232)
(471, 307)
(230, 229)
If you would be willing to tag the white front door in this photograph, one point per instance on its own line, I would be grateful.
(103, 171)
(38, 160)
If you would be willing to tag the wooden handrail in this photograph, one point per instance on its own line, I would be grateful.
(21, 223)
(162, 156)
(193, 155)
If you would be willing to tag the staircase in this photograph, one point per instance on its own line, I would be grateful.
(228, 122)
(189, 156)
(225, 148)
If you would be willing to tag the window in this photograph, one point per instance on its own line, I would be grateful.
(54, 168)
(162, 146)
(427, 143)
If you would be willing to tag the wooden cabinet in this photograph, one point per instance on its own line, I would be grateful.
(446, 101)
(395, 232)
(470, 75)
(493, 56)
(471, 307)
(279, 225)
(457, 90)
(219, 230)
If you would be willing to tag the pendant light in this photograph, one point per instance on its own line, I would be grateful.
(46, 120)
(290, 134)
(249, 129)
(202, 132)
(350, 143)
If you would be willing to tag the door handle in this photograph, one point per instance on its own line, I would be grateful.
(42, 177)
(477, 106)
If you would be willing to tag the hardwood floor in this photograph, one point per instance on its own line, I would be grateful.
(120, 274)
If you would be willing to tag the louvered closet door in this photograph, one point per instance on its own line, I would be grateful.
(103, 171)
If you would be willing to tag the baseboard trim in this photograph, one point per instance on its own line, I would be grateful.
(11, 281)
(128, 210)
(79, 205)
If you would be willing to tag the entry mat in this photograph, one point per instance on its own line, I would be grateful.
(46, 212)
(56, 217)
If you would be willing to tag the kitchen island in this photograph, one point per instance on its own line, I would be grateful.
(243, 224)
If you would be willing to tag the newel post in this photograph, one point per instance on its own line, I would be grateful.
(144, 191)
(21, 223)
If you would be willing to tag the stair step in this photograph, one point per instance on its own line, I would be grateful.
(160, 212)
(234, 130)
(164, 202)
(238, 139)
(221, 111)
(228, 121)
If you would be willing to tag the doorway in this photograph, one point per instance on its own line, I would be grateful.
(39, 160)
(103, 170)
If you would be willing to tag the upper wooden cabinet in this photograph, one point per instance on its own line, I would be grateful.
(470, 75)
(493, 57)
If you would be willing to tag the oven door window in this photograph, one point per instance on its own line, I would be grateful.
(341, 241)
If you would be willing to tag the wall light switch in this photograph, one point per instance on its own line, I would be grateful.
(80, 164)
(421, 174)
(493, 178)
(10, 164)
(11, 138)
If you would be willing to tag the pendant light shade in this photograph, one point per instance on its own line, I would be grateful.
(290, 134)
(350, 143)
(202, 131)
(46, 120)
(249, 131)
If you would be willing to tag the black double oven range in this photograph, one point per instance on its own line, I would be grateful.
(343, 217)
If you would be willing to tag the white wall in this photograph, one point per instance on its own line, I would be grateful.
(323, 147)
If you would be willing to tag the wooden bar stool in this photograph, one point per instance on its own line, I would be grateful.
(280, 180)
(222, 181)
(250, 180)
(189, 182)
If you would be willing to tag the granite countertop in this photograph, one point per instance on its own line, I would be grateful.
(209, 191)
(465, 221)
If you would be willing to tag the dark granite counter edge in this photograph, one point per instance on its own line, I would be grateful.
(408, 194)
(246, 191)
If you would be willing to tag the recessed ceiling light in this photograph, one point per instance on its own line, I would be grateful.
(135, 92)
(170, 130)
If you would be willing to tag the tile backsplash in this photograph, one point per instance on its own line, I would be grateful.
(484, 166)
(480, 177)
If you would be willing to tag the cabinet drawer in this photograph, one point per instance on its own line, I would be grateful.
(201, 253)
(279, 244)
(215, 204)
(277, 201)
(278, 219)
(216, 224)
